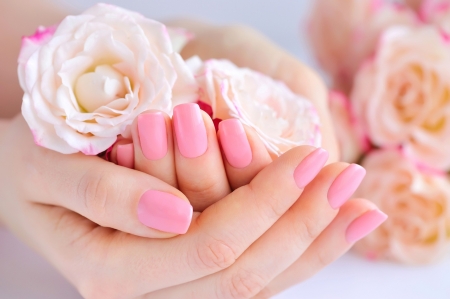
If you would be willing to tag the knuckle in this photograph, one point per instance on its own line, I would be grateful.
(271, 207)
(242, 284)
(95, 189)
(205, 190)
(307, 229)
(214, 255)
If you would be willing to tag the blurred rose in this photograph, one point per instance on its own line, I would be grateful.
(403, 94)
(86, 82)
(437, 12)
(349, 132)
(281, 118)
(417, 202)
(344, 33)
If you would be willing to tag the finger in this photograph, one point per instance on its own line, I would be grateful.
(199, 167)
(332, 243)
(153, 146)
(214, 241)
(247, 48)
(109, 195)
(122, 153)
(291, 235)
(244, 153)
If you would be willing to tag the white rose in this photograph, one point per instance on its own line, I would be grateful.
(86, 82)
(281, 118)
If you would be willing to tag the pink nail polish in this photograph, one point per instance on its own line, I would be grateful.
(152, 135)
(235, 143)
(307, 170)
(125, 155)
(190, 130)
(364, 224)
(165, 212)
(345, 185)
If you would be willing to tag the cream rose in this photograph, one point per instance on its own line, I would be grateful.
(349, 132)
(281, 118)
(343, 33)
(417, 201)
(403, 94)
(85, 82)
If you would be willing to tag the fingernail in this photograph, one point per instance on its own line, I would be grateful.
(235, 143)
(190, 130)
(345, 185)
(307, 170)
(364, 225)
(165, 212)
(152, 135)
(125, 155)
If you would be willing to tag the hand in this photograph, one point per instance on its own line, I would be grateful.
(248, 48)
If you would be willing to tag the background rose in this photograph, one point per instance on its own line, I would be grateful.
(281, 118)
(436, 12)
(343, 33)
(86, 83)
(403, 94)
(418, 204)
(351, 137)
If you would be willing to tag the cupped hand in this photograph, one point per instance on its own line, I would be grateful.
(232, 250)
(248, 48)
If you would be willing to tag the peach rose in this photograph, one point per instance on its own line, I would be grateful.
(403, 94)
(281, 118)
(87, 80)
(344, 33)
(417, 201)
(349, 132)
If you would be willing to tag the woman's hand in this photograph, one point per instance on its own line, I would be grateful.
(247, 238)
(249, 48)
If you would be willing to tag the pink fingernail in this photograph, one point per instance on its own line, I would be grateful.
(165, 212)
(125, 155)
(345, 185)
(190, 130)
(235, 143)
(307, 170)
(153, 135)
(364, 225)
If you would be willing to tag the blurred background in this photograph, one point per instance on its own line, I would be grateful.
(23, 274)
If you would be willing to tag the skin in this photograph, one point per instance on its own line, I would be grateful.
(254, 241)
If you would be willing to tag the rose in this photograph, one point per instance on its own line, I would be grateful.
(403, 94)
(351, 138)
(343, 33)
(87, 80)
(281, 118)
(436, 12)
(417, 202)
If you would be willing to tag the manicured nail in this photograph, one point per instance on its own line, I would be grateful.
(153, 135)
(125, 155)
(235, 143)
(307, 170)
(345, 185)
(190, 130)
(165, 212)
(364, 225)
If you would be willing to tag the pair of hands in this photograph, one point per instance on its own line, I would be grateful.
(80, 212)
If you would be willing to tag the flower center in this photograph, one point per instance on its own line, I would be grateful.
(99, 88)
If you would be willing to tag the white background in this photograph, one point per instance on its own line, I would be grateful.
(23, 274)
